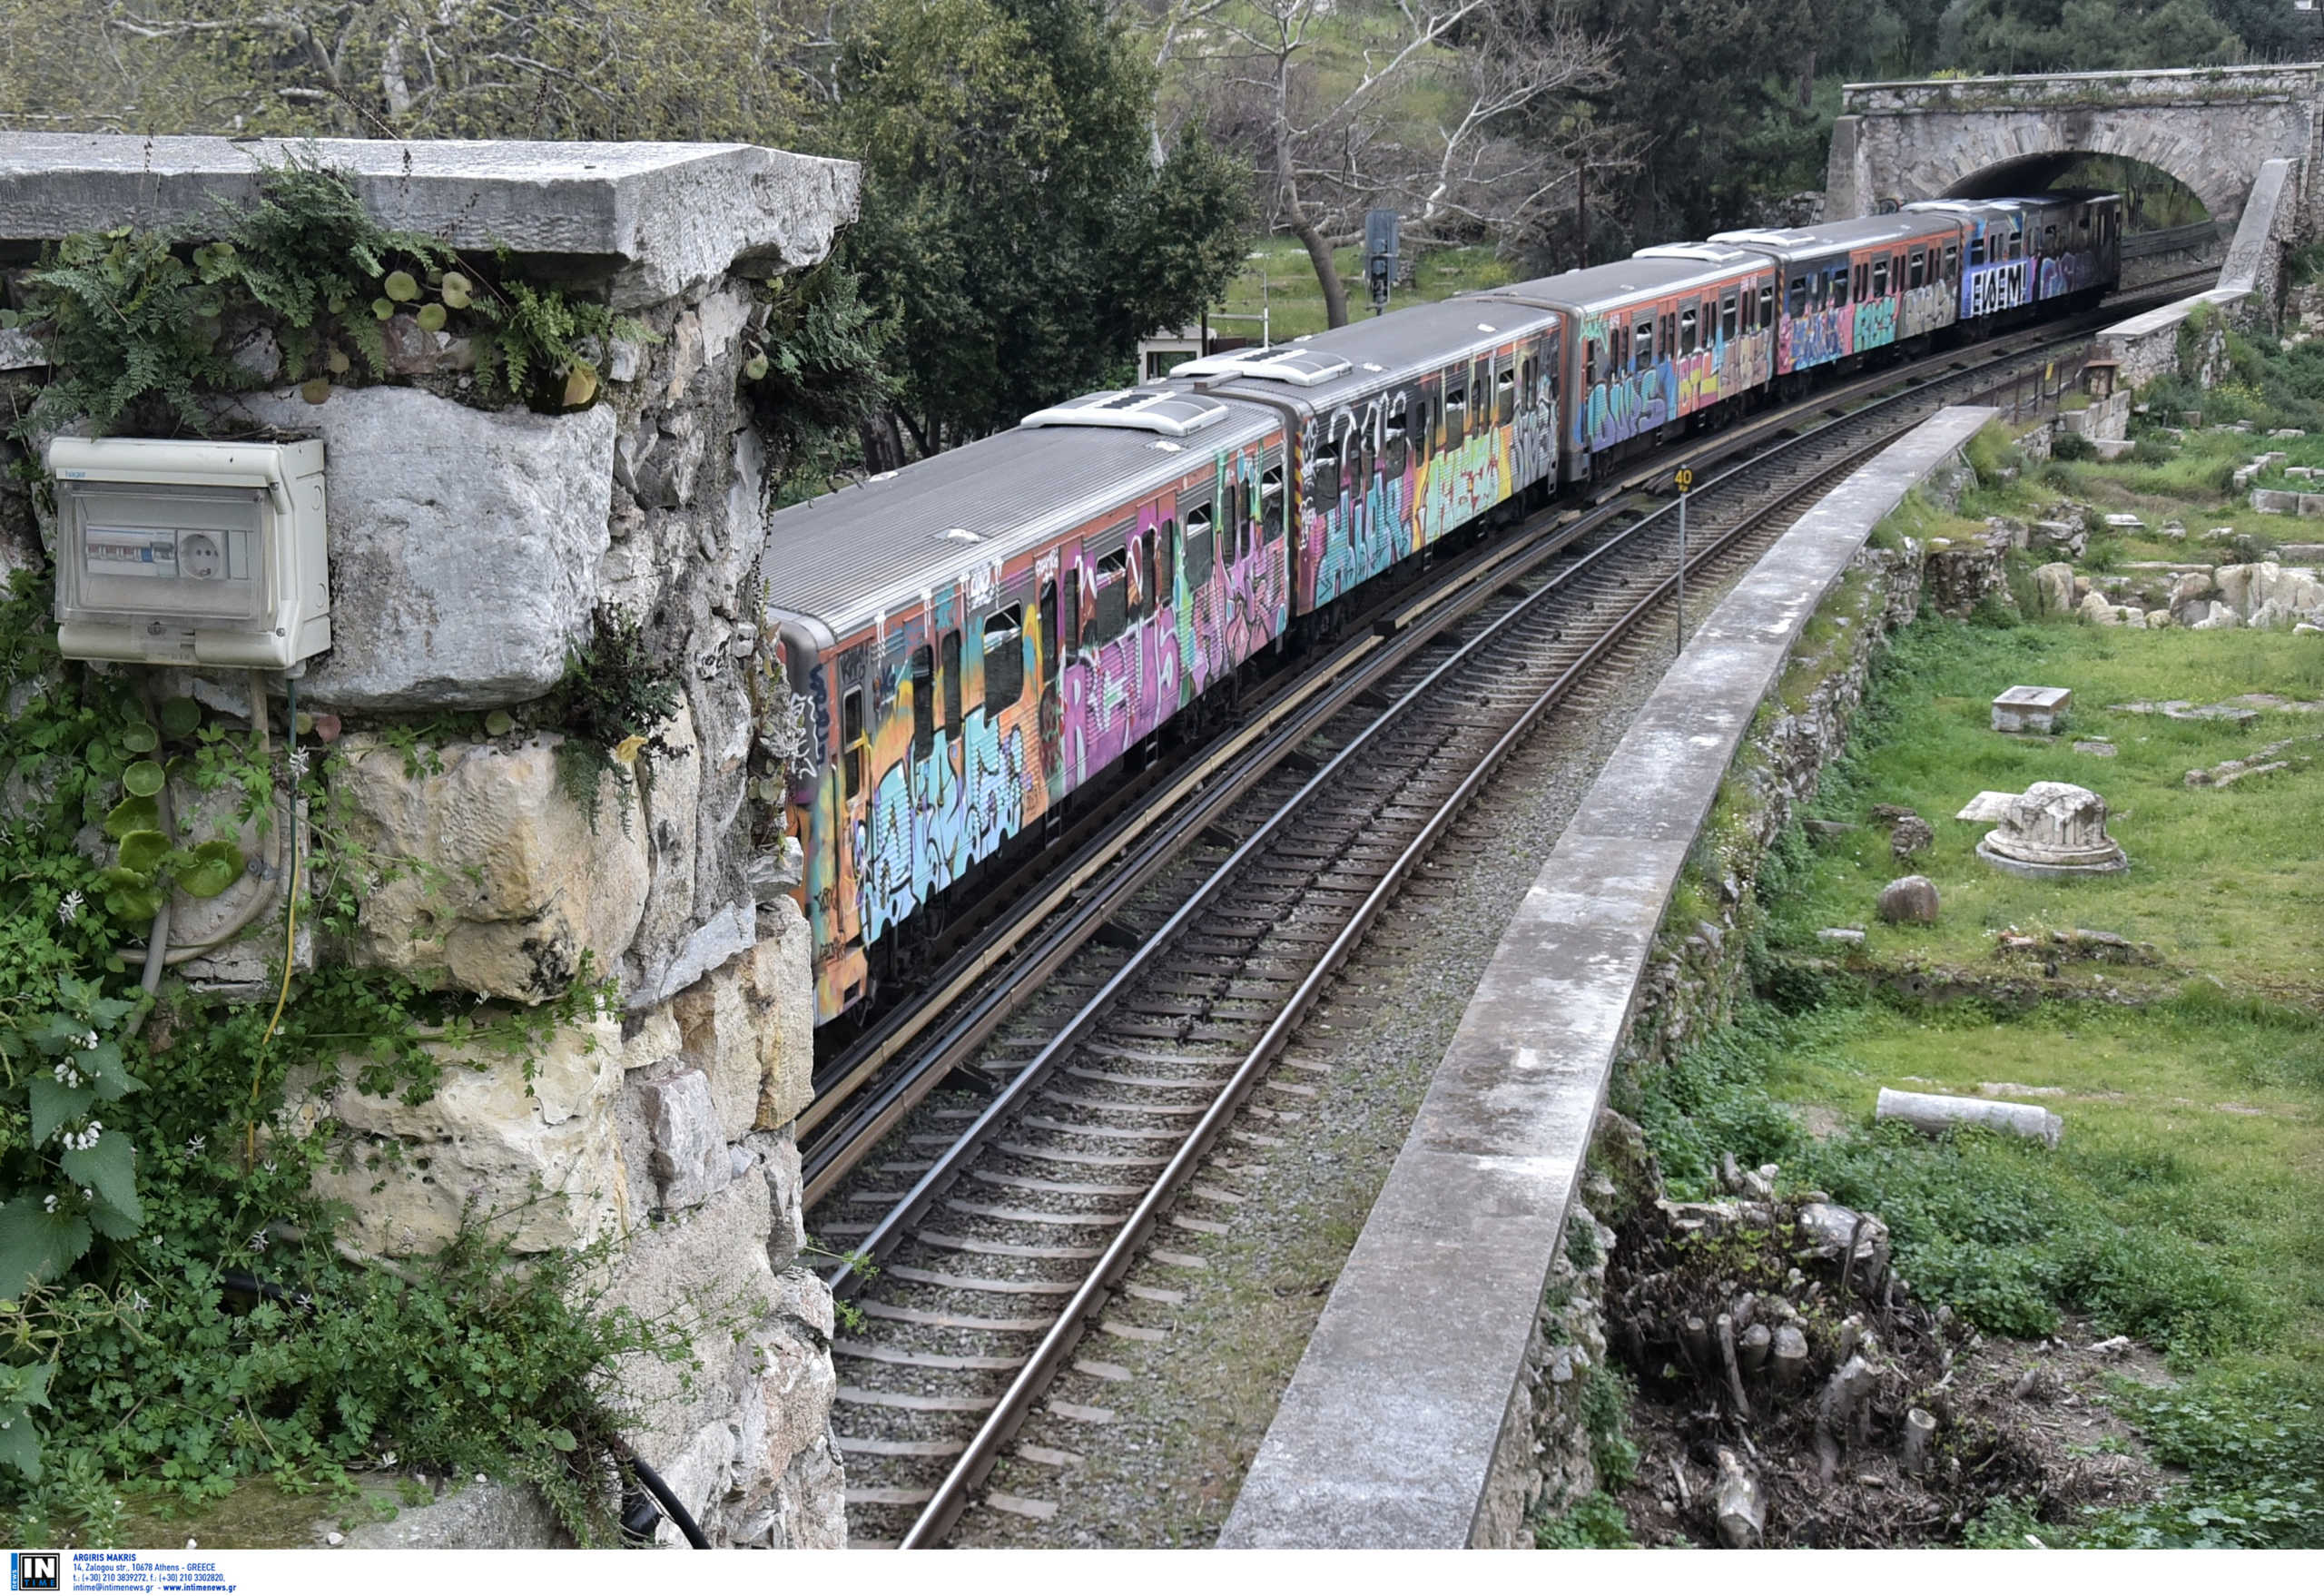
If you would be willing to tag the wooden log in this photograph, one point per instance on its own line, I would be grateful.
(1740, 1402)
(1934, 1115)
(1736, 1501)
(1920, 1441)
(1752, 1351)
(1790, 1359)
(1694, 1337)
(1837, 1409)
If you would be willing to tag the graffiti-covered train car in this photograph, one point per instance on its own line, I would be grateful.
(1852, 287)
(1651, 341)
(979, 635)
(1409, 427)
(2018, 253)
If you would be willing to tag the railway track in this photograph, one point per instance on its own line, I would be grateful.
(1125, 1062)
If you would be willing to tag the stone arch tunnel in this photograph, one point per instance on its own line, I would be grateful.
(2212, 128)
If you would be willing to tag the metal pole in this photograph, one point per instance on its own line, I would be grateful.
(1581, 215)
(1682, 574)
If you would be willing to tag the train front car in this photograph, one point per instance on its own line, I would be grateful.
(1681, 333)
(1410, 426)
(978, 635)
(1850, 287)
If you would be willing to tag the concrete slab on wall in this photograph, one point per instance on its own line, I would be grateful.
(1389, 1430)
(656, 218)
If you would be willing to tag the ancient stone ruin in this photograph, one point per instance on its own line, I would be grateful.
(2054, 830)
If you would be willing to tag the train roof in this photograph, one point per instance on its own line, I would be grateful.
(1789, 244)
(844, 559)
(1321, 369)
(1619, 282)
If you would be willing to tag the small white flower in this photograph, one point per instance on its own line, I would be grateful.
(269, 1166)
(258, 1241)
(87, 1196)
(88, 1041)
(197, 1144)
(68, 908)
(48, 1202)
(137, 1303)
(298, 764)
(387, 1460)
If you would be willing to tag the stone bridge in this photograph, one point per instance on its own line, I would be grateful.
(2213, 128)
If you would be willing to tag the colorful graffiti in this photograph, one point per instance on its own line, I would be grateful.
(933, 799)
(2067, 273)
(1625, 404)
(1376, 516)
(1927, 307)
(1987, 290)
(1813, 339)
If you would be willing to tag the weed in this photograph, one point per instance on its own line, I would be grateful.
(1596, 1521)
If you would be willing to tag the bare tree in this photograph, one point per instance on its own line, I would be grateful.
(1447, 110)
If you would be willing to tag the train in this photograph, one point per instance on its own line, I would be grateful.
(980, 636)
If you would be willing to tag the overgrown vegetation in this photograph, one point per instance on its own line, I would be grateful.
(613, 696)
(140, 325)
(175, 1316)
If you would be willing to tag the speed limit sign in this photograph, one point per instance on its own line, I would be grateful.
(1686, 477)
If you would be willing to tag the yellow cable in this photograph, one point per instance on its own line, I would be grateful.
(289, 954)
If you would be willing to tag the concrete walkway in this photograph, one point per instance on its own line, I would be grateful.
(1390, 1431)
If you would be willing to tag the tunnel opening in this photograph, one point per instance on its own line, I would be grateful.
(2152, 199)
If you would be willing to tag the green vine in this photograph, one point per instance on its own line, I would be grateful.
(140, 325)
(613, 699)
(175, 1315)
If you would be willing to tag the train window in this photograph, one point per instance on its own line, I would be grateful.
(1687, 330)
(850, 737)
(923, 702)
(1198, 546)
(1505, 396)
(2050, 237)
(1728, 308)
(952, 681)
(1049, 633)
(1861, 275)
(1141, 575)
(1796, 303)
(1004, 659)
(1327, 472)
(1589, 363)
(1165, 562)
(1916, 265)
(1879, 280)
(1839, 294)
(1976, 251)
(1069, 603)
(1456, 417)
(1113, 598)
(1392, 435)
(1766, 306)
(1271, 500)
(1642, 343)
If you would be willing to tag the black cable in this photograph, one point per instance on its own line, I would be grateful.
(666, 1497)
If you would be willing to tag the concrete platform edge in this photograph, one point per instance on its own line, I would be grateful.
(1389, 1432)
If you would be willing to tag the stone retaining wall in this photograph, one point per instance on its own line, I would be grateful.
(471, 548)
(1427, 1410)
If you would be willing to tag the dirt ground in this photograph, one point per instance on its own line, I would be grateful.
(1823, 1450)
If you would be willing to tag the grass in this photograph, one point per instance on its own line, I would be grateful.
(1277, 275)
(2222, 881)
(2178, 1209)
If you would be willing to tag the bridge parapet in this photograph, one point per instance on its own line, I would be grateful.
(2213, 128)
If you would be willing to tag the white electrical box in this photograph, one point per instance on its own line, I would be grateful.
(190, 553)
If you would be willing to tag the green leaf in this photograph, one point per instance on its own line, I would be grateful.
(36, 1245)
(56, 1104)
(180, 716)
(143, 779)
(499, 723)
(24, 1385)
(132, 815)
(562, 1439)
(400, 287)
(383, 309)
(140, 738)
(431, 318)
(110, 1169)
(143, 851)
(754, 367)
(217, 865)
(20, 1443)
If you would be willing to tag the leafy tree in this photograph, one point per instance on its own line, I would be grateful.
(1013, 218)
(2087, 36)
